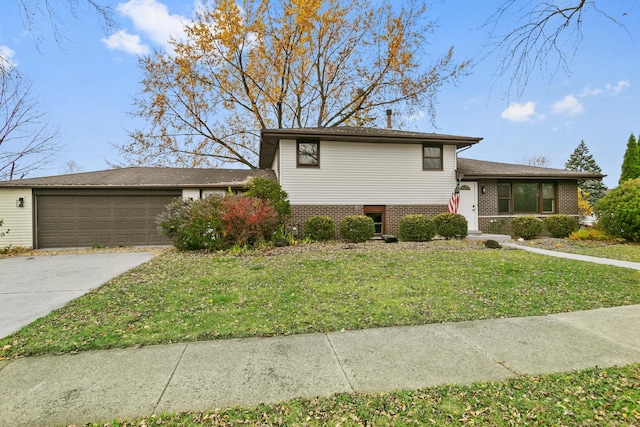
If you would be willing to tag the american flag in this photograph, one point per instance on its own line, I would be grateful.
(454, 202)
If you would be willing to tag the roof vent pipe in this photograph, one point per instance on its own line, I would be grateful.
(388, 119)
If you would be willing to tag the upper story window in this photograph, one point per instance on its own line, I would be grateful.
(526, 197)
(308, 154)
(431, 157)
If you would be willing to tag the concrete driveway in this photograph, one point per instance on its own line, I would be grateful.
(31, 287)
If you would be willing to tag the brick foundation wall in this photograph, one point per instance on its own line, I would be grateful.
(396, 212)
(488, 219)
(300, 214)
(393, 213)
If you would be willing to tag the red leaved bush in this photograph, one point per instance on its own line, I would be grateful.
(246, 220)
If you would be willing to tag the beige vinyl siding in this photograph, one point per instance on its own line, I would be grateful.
(18, 220)
(366, 173)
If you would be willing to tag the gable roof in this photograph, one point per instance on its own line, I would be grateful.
(146, 177)
(470, 168)
(269, 138)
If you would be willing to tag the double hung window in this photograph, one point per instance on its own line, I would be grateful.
(308, 154)
(432, 157)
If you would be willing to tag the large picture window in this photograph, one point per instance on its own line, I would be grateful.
(308, 154)
(526, 197)
(431, 157)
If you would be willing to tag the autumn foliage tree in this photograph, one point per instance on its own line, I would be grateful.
(256, 64)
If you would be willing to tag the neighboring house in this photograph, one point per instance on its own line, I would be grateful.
(383, 173)
(387, 174)
(115, 207)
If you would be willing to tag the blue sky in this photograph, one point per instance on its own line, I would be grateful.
(86, 83)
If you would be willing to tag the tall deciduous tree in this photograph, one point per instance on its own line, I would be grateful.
(27, 141)
(581, 161)
(631, 161)
(282, 64)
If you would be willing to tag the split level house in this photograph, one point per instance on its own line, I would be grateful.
(382, 173)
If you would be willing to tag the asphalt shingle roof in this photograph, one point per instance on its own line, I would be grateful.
(146, 177)
(485, 169)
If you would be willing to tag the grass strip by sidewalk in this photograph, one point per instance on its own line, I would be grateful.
(624, 252)
(592, 397)
(180, 297)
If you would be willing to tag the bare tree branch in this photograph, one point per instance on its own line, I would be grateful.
(52, 11)
(27, 141)
(545, 38)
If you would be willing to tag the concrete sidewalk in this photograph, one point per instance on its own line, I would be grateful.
(103, 385)
(576, 257)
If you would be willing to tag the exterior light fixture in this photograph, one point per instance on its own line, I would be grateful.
(483, 190)
(20, 202)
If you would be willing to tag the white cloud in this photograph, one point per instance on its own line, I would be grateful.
(609, 88)
(568, 105)
(129, 43)
(153, 20)
(6, 58)
(517, 112)
(587, 91)
(619, 87)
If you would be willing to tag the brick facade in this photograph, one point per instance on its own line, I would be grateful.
(489, 221)
(393, 214)
(300, 214)
(396, 212)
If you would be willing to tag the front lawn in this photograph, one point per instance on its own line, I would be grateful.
(182, 296)
(627, 251)
(624, 251)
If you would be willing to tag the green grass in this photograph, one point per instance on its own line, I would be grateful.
(592, 397)
(180, 297)
(624, 251)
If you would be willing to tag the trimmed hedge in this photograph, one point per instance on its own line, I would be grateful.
(357, 228)
(560, 226)
(320, 228)
(526, 227)
(416, 228)
(451, 226)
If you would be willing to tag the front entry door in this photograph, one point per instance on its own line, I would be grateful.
(469, 203)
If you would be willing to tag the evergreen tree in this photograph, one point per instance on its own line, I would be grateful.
(631, 162)
(581, 161)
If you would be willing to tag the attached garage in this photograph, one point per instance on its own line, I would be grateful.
(116, 207)
(103, 218)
